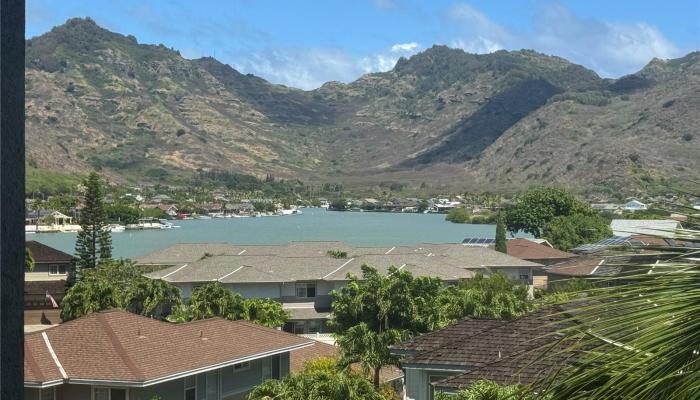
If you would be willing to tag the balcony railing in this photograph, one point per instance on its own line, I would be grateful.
(321, 337)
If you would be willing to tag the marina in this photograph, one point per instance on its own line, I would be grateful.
(356, 228)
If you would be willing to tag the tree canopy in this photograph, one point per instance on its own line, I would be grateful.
(537, 207)
(215, 300)
(377, 311)
(28, 260)
(393, 301)
(501, 245)
(459, 215)
(489, 390)
(119, 284)
(320, 380)
(94, 243)
(493, 296)
(567, 232)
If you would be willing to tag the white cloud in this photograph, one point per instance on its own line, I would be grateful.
(610, 48)
(309, 68)
(404, 47)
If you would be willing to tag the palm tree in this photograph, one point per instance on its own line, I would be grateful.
(640, 337)
(28, 260)
(370, 349)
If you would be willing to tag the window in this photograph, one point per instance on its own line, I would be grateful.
(266, 368)
(57, 269)
(102, 393)
(433, 379)
(313, 326)
(524, 275)
(212, 388)
(306, 290)
(244, 366)
(48, 394)
(190, 388)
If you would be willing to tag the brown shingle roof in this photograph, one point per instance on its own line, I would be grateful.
(529, 250)
(526, 367)
(120, 346)
(46, 254)
(468, 348)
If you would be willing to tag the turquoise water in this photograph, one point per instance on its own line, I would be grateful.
(356, 228)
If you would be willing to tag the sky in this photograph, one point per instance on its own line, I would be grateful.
(307, 43)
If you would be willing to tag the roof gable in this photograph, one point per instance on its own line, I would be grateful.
(117, 346)
(46, 254)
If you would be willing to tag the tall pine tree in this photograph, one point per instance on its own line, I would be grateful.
(94, 243)
(501, 235)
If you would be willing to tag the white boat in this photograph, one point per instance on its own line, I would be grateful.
(116, 228)
(203, 217)
(145, 223)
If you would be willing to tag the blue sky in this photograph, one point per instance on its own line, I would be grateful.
(306, 43)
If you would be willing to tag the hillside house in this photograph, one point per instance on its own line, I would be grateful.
(635, 205)
(116, 355)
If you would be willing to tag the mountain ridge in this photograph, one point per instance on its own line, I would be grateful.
(441, 118)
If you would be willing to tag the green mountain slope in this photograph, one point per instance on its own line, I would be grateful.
(97, 99)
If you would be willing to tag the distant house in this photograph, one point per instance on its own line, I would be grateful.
(635, 205)
(599, 266)
(451, 359)
(301, 275)
(168, 209)
(608, 207)
(539, 253)
(118, 355)
(696, 205)
(239, 208)
(161, 198)
(648, 227)
(48, 277)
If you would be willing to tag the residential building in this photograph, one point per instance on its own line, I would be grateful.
(48, 278)
(302, 275)
(452, 358)
(648, 227)
(613, 208)
(635, 205)
(117, 355)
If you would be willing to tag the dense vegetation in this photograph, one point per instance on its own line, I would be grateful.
(556, 215)
(372, 313)
(637, 336)
(215, 300)
(321, 379)
(488, 390)
(121, 284)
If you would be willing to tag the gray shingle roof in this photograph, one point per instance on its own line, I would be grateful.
(297, 261)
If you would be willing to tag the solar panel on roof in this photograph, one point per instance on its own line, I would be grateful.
(614, 241)
(478, 241)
